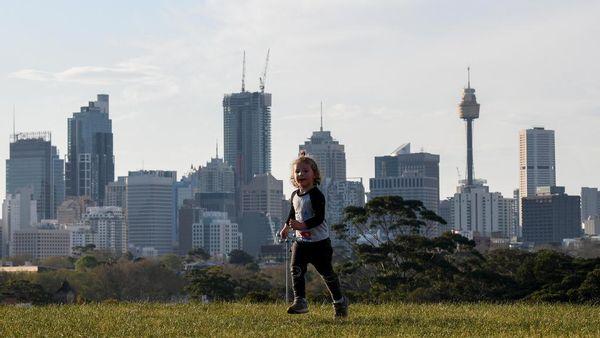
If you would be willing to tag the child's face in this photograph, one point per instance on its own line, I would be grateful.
(304, 175)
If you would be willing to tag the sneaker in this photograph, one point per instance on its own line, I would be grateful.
(299, 306)
(341, 308)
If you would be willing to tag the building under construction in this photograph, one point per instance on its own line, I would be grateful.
(247, 129)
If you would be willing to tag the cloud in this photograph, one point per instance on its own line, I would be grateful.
(137, 81)
(126, 72)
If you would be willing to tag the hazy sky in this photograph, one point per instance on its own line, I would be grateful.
(388, 72)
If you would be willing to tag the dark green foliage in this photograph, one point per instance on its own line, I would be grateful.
(86, 262)
(198, 254)
(240, 257)
(393, 261)
(23, 291)
(211, 282)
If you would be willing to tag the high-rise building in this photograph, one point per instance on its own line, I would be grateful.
(19, 212)
(115, 194)
(247, 127)
(41, 243)
(70, 211)
(257, 229)
(481, 213)
(413, 176)
(215, 233)
(342, 194)
(592, 226)
(263, 194)
(328, 153)
(216, 177)
(109, 227)
(446, 211)
(537, 166)
(551, 216)
(90, 162)
(188, 214)
(217, 201)
(150, 210)
(34, 162)
(590, 203)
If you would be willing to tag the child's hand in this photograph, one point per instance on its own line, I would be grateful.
(283, 233)
(297, 225)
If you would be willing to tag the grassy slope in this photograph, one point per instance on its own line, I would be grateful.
(271, 320)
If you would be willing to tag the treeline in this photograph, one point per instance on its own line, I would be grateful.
(385, 259)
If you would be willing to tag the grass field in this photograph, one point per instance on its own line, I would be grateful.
(234, 319)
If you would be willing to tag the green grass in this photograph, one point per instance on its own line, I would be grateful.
(235, 319)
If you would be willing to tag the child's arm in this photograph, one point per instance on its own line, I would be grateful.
(291, 218)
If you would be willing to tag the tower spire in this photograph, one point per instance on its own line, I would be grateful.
(217, 148)
(469, 77)
(244, 73)
(14, 129)
(321, 115)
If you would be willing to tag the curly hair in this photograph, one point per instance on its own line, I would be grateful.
(302, 158)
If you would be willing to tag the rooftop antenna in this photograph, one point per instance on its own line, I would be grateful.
(244, 73)
(321, 115)
(217, 149)
(263, 79)
(469, 77)
(14, 129)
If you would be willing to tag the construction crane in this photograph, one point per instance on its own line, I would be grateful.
(263, 78)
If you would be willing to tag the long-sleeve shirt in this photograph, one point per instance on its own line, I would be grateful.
(309, 208)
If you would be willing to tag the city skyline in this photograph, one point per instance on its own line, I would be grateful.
(156, 85)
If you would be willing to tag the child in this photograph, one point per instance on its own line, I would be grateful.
(307, 218)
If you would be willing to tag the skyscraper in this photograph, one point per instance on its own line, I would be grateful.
(90, 163)
(216, 177)
(19, 212)
(247, 129)
(34, 162)
(590, 203)
(263, 194)
(413, 176)
(537, 166)
(215, 233)
(108, 226)
(328, 153)
(551, 216)
(150, 210)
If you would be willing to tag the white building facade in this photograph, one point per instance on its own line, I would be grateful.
(109, 228)
(216, 234)
(479, 212)
(19, 212)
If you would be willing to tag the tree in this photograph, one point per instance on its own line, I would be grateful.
(86, 262)
(240, 257)
(211, 282)
(589, 291)
(198, 254)
(58, 262)
(172, 262)
(24, 291)
(394, 261)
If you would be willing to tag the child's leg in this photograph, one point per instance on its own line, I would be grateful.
(298, 267)
(321, 260)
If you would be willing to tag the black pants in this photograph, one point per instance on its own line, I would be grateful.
(319, 254)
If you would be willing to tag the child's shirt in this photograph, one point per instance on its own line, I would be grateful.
(309, 208)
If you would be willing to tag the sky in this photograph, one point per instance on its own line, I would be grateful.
(387, 72)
